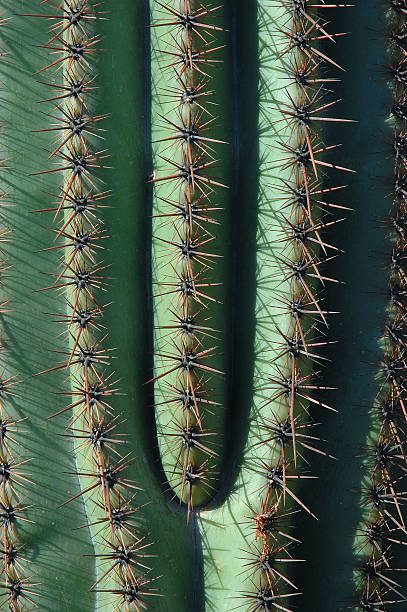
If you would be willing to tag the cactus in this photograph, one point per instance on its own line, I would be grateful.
(202, 309)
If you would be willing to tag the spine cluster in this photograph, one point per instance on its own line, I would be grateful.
(78, 156)
(383, 528)
(186, 189)
(305, 215)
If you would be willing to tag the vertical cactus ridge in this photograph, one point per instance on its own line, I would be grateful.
(46, 549)
(122, 554)
(295, 213)
(383, 529)
(188, 243)
(299, 257)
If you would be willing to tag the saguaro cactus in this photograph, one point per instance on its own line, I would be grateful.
(202, 395)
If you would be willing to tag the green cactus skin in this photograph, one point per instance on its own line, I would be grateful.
(54, 542)
(361, 300)
(169, 534)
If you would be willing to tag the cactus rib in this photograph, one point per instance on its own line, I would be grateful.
(185, 233)
(122, 554)
(294, 386)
